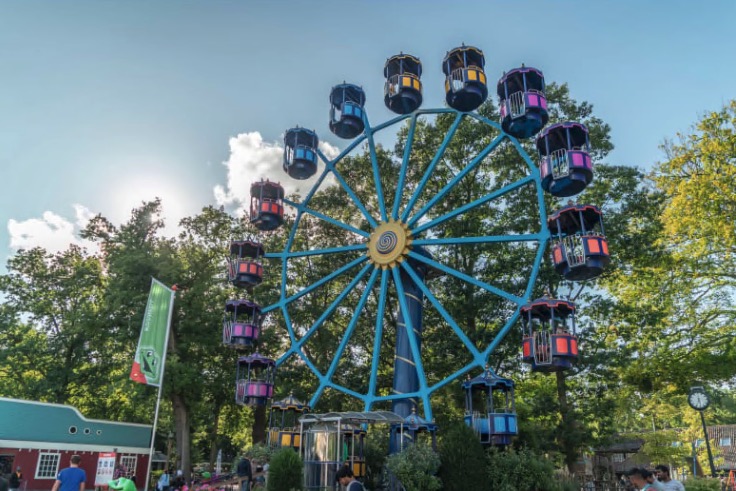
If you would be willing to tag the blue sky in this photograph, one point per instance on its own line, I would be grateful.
(106, 103)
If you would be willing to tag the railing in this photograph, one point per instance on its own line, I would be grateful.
(542, 348)
(392, 85)
(517, 104)
(574, 250)
(560, 166)
(457, 79)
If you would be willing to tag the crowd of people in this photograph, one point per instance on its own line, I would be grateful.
(658, 479)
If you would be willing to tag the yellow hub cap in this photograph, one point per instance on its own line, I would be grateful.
(389, 244)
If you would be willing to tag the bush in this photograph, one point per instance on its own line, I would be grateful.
(697, 484)
(260, 453)
(285, 472)
(463, 461)
(519, 471)
(415, 467)
(376, 449)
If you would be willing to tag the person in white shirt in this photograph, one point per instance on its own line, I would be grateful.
(663, 475)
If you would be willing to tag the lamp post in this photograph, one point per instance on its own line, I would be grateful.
(699, 400)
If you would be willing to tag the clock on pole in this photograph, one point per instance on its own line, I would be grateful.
(699, 400)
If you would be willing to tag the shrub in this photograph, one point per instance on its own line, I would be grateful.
(285, 472)
(697, 484)
(519, 471)
(415, 467)
(376, 449)
(463, 461)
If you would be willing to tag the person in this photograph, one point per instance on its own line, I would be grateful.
(663, 475)
(15, 479)
(164, 482)
(72, 478)
(651, 479)
(346, 478)
(122, 484)
(636, 477)
(178, 482)
(120, 471)
(245, 473)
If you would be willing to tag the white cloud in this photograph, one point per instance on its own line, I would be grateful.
(52, 232)
(251, 159)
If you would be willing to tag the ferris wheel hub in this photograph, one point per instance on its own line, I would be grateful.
(389, 244)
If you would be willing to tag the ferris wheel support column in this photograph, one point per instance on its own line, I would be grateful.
(406, 379)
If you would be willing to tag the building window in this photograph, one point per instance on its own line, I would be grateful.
(725, 441)
(48, 465)
(129, 462)
(618, 457)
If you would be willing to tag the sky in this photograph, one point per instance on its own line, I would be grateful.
(104, 104)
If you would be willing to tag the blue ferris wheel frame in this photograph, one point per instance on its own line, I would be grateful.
(480, 358)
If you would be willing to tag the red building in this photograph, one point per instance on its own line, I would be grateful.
(40, 438)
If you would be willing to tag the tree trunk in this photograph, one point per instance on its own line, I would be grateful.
(259, 425)
(567, 439)
(183, 436)
(213, 435)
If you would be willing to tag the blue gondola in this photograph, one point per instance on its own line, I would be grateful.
(300, 153)
(565, 164)
(347, 103)
(254, 380)
(283, 425)
(550, 343)
(244, 268)
(579, 246)
(465, 81)
(523, 103)
(403, 89)
(408, 432)
(242, 324)
(490, 408)
(266, 205)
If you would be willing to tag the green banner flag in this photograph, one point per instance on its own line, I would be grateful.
(148, 365)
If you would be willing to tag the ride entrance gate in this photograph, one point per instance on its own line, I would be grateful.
(332, 440)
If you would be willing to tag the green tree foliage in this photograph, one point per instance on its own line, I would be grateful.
(285, 472)
(519, 471)
(416, 468)
(463, 460)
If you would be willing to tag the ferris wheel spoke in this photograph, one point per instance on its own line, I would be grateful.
(319, 252)
(358, 140)
(377, 338)
(469, 279)
(390, 122)
(301, 207)
(457, 374)
(351, 325)
(352, 195)
(319, 283)
(376, 170)
(331, 308)
(396, 396)
(502, 333)
(404, 165)
(430, 168)
(479, 240)
(473, 204)
(411, 335)
(455, 180)
(445, 315)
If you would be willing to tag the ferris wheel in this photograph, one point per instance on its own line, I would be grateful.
(391, 249)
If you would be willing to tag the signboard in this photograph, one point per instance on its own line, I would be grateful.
(105, 468)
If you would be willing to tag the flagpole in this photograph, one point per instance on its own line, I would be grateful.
(160, 389)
